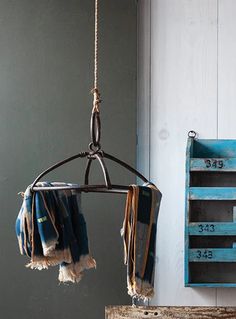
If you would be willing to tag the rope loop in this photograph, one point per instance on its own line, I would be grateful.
(95, 123)
(96, 100)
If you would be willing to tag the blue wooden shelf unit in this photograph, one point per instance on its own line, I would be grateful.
(210, 217)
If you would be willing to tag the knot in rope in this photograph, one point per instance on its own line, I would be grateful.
(96, 100)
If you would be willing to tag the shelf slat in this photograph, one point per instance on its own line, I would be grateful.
(212, 255)
(212, 193)
(212, 285)
(213, 164)
(212, 229)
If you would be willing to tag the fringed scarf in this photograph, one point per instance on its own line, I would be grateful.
(51, 230)
(139, 237)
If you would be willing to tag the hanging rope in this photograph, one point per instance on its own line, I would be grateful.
(95, 91)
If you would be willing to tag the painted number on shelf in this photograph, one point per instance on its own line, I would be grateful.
(208, 228)
(211, 163)
(204, 254)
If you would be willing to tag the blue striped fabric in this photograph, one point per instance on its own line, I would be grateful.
(51, 230)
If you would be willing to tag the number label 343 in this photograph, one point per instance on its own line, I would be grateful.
(208, 228)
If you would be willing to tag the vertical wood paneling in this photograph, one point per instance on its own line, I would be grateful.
(227, 94)
(193, 86)
(143, 86)
(227, 68)
(183, 97)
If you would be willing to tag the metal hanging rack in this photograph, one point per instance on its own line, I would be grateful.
(95, 151)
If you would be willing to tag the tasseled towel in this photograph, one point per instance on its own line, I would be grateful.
(51, 230)
(139, 236)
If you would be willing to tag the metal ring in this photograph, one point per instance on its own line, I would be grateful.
(192, 134)
(95, 128)
(94, 148)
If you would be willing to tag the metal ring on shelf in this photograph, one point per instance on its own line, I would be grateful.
(192, 134)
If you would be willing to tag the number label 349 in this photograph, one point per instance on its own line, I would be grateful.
(213, 163)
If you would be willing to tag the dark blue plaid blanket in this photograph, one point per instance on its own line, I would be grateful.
(139, 236)
(51, 230)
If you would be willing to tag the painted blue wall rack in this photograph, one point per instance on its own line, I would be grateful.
(210, 217)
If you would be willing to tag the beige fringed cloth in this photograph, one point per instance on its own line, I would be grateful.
(139, 237)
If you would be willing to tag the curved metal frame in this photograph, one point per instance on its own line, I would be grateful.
(94, 153)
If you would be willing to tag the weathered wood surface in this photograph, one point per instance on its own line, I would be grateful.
(212, 193)
(212, 255)
(212, 229)
(128, 312)
(213, 164)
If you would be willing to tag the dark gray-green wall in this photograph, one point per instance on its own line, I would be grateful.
(46, 73)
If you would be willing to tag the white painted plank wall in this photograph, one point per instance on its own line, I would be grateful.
(190, 68)
(227, 94)
(143, 87)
